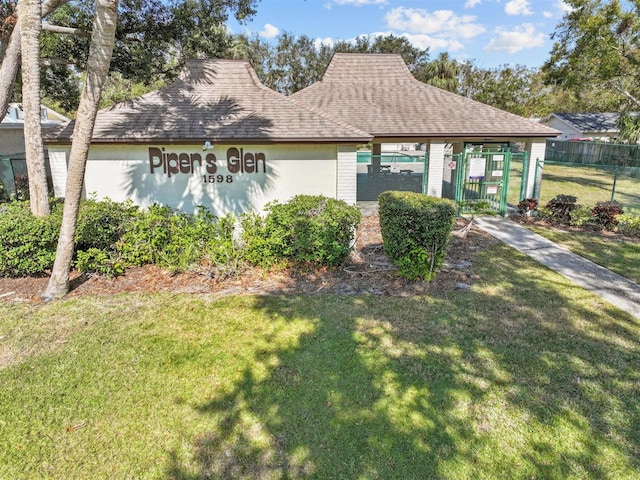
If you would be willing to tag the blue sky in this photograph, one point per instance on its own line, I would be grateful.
(490, 32)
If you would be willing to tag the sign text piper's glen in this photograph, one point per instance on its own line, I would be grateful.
(206, 165)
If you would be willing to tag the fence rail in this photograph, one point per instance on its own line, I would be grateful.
(593, 153)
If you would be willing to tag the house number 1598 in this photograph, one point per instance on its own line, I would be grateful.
(217, 178)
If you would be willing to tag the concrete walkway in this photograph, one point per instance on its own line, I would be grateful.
(621, 292)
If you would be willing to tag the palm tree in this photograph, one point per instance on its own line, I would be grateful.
(442, 73)
(100, 52)
(29, 17)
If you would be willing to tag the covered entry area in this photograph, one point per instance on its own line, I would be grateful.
(377, 93)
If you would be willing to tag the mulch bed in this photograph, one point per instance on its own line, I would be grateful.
(367, 272)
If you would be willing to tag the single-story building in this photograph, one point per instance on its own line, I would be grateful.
(604, 127)
(217, 137)
(12, 149)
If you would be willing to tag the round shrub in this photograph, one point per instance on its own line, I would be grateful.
(415, 230)
(605, 214)
(559, 208)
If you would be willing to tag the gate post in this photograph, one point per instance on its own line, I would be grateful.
(436, 168)
(525, 175)
(536, 150)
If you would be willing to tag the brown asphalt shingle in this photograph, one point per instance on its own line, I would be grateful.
(378, 94)
(215, 100)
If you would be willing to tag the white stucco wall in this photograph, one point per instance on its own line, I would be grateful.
(122, 172)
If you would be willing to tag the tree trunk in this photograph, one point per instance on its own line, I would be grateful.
(29, 17)
(100, 52)
(11, 59)
(8, 69)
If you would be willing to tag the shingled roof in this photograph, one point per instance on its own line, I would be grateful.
(378, 94)
(605, 122)
(219, 101)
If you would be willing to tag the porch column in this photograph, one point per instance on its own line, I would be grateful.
(346, 175)
(436, 168)
(376, 159)
(536, 150)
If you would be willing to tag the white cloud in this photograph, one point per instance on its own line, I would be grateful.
(513, 41)
(318, 42)
(518, 7)
(425, 41)
(442, 23)
(438, 30)
(547, 14)
(269, 31)
(563, 7)
(472, 3)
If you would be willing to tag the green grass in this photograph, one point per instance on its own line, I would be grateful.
(524, 376)
(618, 255)
(589, 185)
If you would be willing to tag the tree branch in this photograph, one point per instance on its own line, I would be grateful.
(64, 30)
(11, 59)
(624, 92)
(47, 62)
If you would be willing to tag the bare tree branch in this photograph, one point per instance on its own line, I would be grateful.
(64, 30)
(624, 92)
(47, 62)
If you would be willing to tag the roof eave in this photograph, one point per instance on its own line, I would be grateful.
(223, 141)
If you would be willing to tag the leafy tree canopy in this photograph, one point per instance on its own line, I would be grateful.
(152, 40)
(295, 62)
(597, 48)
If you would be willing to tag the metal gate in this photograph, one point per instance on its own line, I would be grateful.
(483, 181)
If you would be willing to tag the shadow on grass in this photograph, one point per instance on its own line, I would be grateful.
(515, 379)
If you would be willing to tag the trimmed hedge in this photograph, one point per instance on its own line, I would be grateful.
(314, 229)
(27, 243)
(416, 230)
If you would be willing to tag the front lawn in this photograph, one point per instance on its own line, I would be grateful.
(616, 253)
(523, 376)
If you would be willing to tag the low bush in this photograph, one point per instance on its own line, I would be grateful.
(21, 193)
(416, 230)
(605, 214)
(102, 223)
(163, 236)
(99, 261)
(27, 243)
(223, 256)
(313, 229)
(628, 225)
(180, 241)
(582, 216)
(558, 209)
